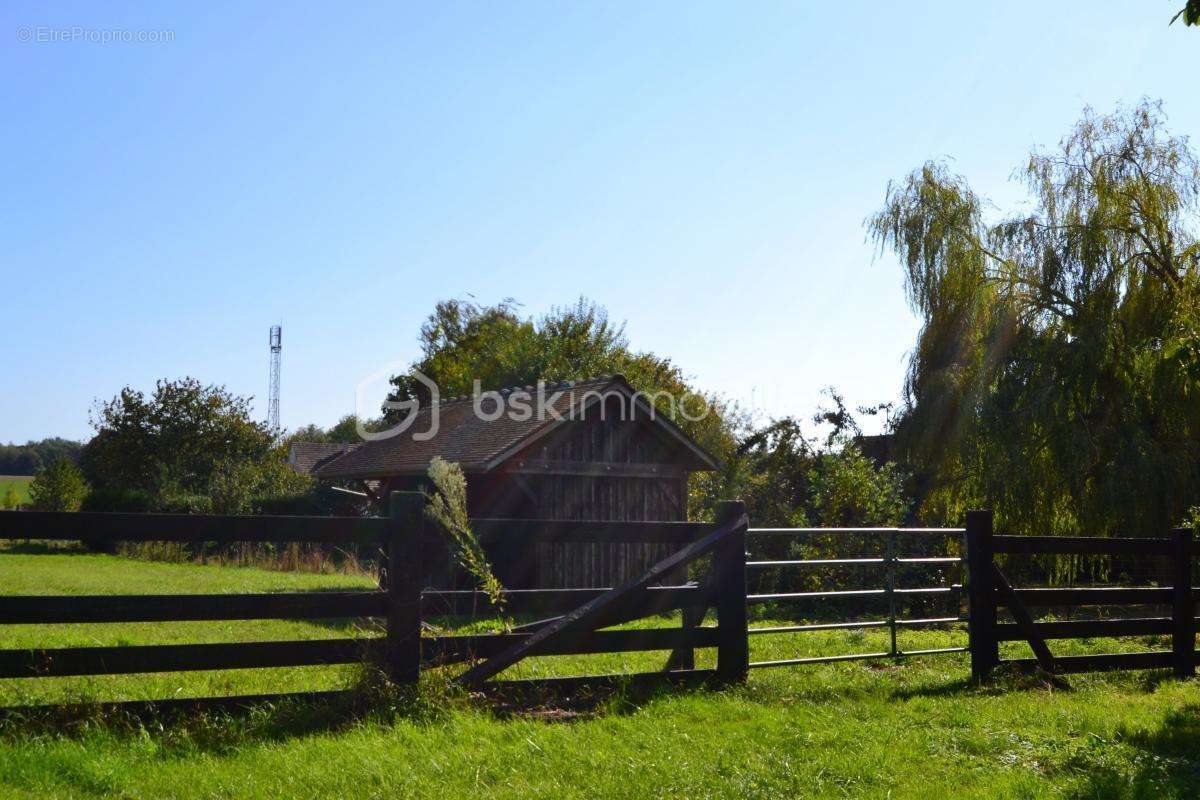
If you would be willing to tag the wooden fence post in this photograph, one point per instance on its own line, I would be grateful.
(981, 595)
(407, 511)
(729, 570)
(1183, 612)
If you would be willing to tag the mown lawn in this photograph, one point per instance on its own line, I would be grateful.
(859, 729)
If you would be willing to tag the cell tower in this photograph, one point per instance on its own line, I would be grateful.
(273, 390)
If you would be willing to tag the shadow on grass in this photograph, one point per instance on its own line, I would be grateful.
(1167, 766)
(221, 725)
(42, 548)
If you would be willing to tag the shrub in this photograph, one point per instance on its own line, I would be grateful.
(847, 489)
(288, 505)
(235, 484)
(447, 508)
(185, 504)
(12, 500)
(127, 501)
(58, 487)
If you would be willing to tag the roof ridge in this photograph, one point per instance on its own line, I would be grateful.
(552, 385)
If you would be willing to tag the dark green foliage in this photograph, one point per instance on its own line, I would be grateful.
(58, 487)
(1057, 374)
(125, 501)
(1190, 14)
(235, 485)
(774, 465)
(462, 342)
(344, 431)
(185, 504)
(849, 491)
(171, 442)
(28, 458)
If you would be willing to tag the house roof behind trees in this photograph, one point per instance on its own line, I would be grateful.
(479, 443)
(307, 457)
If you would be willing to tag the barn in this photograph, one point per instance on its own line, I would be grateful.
(585, 450)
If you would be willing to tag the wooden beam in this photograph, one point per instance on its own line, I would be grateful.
(105, 527)
(1183, 608)
(549, 601)
(1097, 596)
(541, 466)
(450, 649)
(404, 581)
(518, 531)
(1089, 628)
(48, 609)
(1024, 620)
(69, 661)
(1082, 545)
(1064, 665)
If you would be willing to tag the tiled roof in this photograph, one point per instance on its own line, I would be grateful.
(478, 444)
(307, 457)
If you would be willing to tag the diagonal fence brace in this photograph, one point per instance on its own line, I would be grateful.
(1024, 619)
(595, 613)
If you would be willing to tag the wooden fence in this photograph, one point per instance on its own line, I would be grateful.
(989, 589)
(402, 599)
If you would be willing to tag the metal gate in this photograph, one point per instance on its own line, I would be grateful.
(883, 557)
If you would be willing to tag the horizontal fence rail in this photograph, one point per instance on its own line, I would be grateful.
(53, 609)
(890, 592)
(544, 531)
(543, 601)
(105, 527)
(125, 659)
(1081, 545)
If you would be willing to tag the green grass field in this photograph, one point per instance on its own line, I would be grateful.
(859, 729)
(18, 482)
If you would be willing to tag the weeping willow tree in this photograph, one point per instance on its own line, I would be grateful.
(1056, 377)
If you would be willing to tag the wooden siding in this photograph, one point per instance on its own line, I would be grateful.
(597, 442)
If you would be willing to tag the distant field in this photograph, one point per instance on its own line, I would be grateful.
(21, 482)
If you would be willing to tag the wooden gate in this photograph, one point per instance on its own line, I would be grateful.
(578, 630)
(989, 590)
(885, 595)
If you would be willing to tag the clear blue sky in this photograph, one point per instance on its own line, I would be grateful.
(701, 169)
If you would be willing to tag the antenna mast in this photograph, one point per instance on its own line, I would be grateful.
(273, 390)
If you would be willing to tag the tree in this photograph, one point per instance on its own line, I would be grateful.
(849, 491)
(235, 485)
(29, 458)
(305, 433)
(171, 442)
(58, 487)
(1056, 376)
(773, 465)
(12, 500)
(345, 430)
(462, 342)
